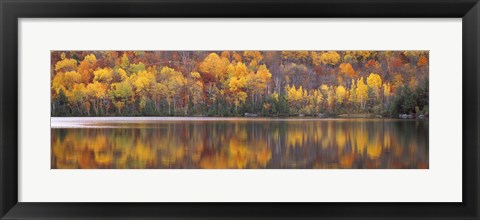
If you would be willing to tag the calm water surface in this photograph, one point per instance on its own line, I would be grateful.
(238, 143)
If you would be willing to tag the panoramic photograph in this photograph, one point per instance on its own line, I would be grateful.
(239, 109)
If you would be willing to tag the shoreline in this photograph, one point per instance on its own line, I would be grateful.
(116, 122)
(280, 117)
(190, 118)
(219, 118)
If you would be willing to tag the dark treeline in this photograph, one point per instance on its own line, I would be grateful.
(233, 83)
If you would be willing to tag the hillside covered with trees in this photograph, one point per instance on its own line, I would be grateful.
(233, 83)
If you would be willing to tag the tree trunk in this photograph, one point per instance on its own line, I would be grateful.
(169, 107)
(174, 106)
(186, 103)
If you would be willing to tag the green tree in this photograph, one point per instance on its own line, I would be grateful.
(60, 105)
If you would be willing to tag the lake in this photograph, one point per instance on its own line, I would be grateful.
(238, 143)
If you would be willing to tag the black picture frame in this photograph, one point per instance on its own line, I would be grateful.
(12, 10)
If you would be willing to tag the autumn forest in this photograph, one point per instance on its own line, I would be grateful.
(239, 83)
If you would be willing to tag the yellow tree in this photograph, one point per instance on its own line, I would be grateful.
(331, 98)
(142, 82)
(66, 65)
(258, 83)
(76, 96)
(253, 57)
(119, 75)
(351, 93)
(374, 82)
(96, 92)
(196, 89)
(329, 58)
(173, 81)
(58, 83)
(236, 89)
(324, 89)
(214, 67)
(236, 83)
(340, 93)
(238, 70)
(104, 75)
(307, 102)
(263, 77)
(121, 94)
(124, 62)
(316, 61)
(361, 93)
(317, 100)
(65, 81)
(315, 58)
(158, 91)
(294, 97)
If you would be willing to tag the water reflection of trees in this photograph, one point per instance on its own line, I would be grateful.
(245, 144)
